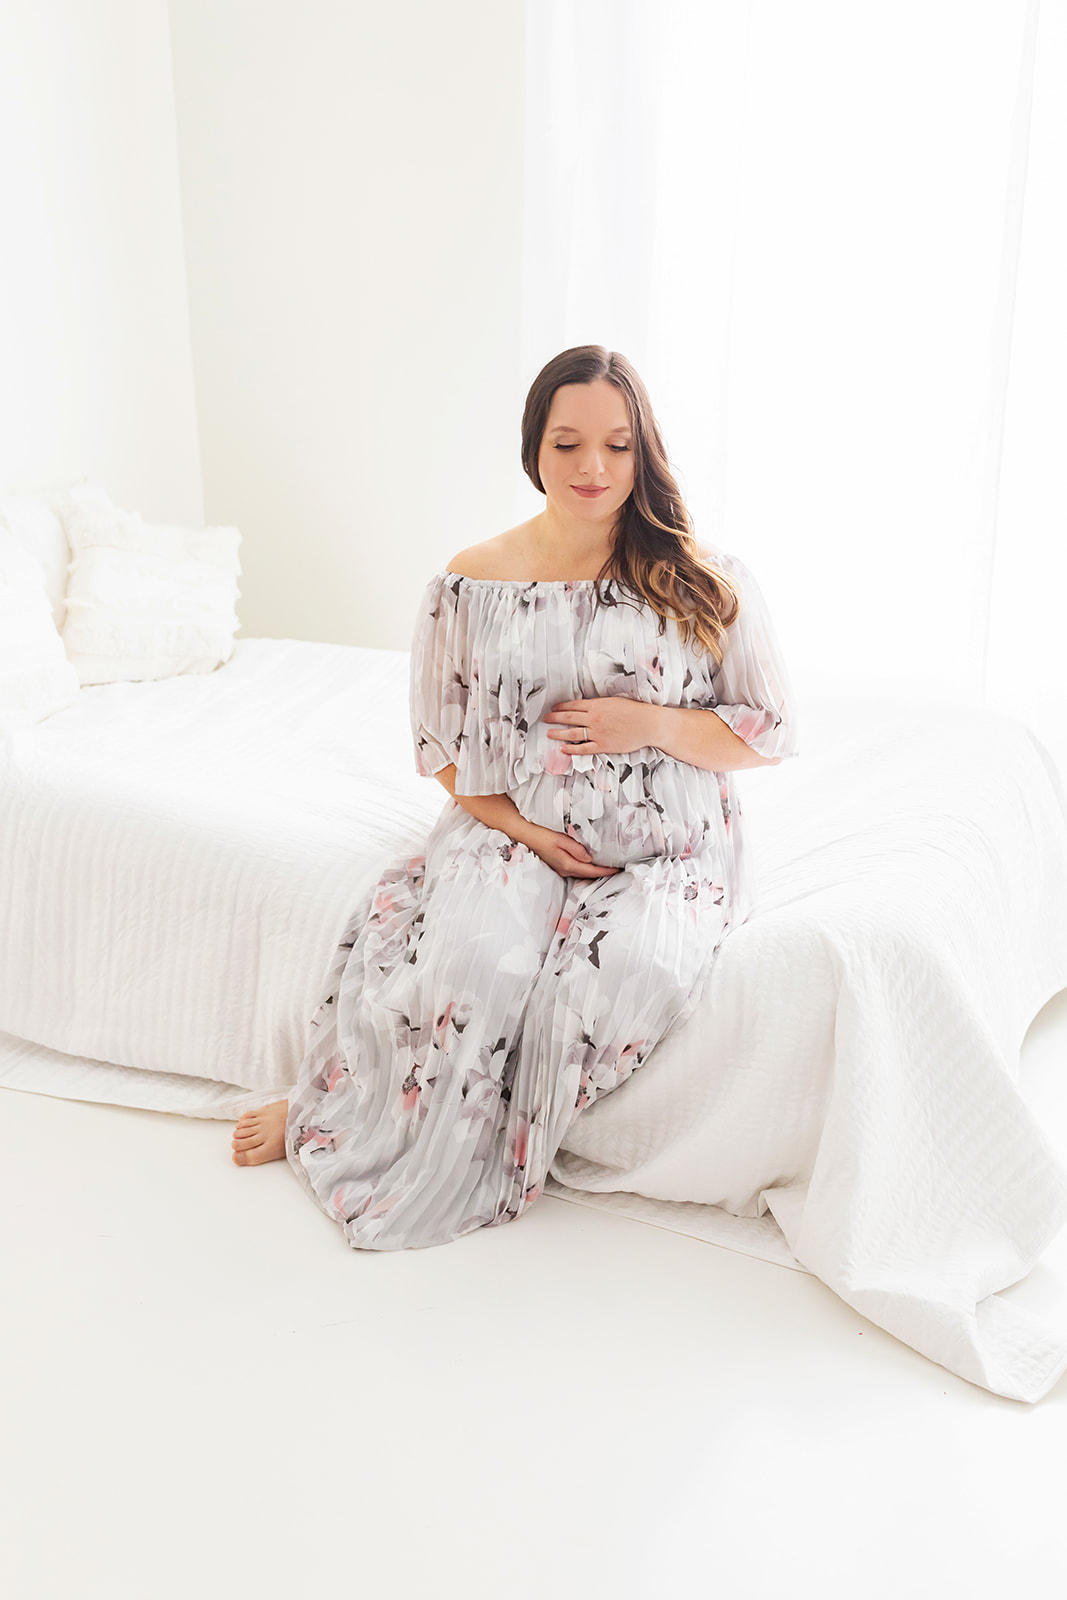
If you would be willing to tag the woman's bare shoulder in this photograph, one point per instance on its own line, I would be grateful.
(498, 557)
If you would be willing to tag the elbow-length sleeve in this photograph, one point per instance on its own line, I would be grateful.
(439, 686)
(753, 691)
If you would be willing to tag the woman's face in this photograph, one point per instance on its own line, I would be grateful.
(587, 441)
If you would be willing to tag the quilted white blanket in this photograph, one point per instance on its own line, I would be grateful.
(177, 859)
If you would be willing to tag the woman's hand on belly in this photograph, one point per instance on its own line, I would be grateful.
(565, 855)
(615, 723)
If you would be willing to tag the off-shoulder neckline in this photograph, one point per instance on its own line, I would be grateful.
(523, 583)
(541, 583)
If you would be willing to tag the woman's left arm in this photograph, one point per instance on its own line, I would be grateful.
(696, 735)
(753, 722)
(617, 725)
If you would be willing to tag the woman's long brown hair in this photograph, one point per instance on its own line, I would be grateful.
(655, 552)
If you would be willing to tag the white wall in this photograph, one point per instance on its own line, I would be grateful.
(352, 195)
(95, 361)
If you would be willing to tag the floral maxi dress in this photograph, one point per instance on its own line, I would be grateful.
(477, 1000)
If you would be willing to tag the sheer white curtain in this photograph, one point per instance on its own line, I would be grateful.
(831, 238)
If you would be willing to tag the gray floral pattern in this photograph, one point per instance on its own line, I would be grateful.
(477, 1001)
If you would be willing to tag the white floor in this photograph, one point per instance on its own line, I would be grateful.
(207, 1393)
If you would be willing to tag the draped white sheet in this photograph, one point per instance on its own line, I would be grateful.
(832, 240)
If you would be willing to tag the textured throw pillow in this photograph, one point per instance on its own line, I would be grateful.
(38, 528)
(35, 676)
(145, 601)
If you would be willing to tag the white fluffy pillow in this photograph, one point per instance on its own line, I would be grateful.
(36, 524)
(35, 676)
(145, 601)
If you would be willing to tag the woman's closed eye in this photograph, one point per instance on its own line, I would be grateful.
(574, 447)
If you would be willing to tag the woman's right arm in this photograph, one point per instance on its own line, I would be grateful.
(563, 854)
(495, 810)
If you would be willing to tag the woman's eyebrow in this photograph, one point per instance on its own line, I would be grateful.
(566, 428)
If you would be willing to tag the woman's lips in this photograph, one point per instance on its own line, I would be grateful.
(590, 494)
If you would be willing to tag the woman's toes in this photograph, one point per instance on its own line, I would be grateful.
(255, 1156)
(260, 1135)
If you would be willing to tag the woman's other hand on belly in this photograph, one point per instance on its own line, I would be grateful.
(567, 856)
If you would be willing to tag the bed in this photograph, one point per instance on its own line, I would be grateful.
(177, 859)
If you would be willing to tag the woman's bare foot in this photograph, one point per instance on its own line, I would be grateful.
(260, 1135)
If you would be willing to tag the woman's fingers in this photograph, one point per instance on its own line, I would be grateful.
(587, 869)
(583, 864)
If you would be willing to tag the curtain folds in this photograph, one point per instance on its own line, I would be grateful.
(831, 239)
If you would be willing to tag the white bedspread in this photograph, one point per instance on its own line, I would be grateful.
(177, 859)
(851, 1066)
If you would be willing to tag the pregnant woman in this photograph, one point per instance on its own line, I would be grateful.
(584, 687)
